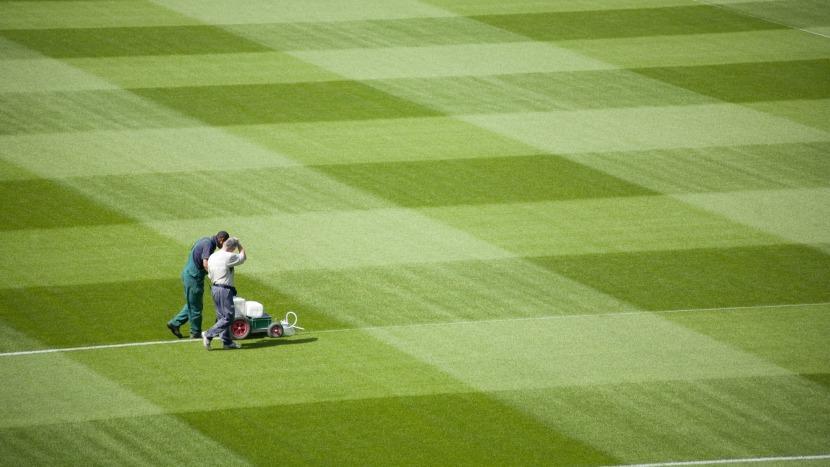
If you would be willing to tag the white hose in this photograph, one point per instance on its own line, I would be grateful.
(294, 324)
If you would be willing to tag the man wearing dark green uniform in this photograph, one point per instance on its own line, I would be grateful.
(193, 277)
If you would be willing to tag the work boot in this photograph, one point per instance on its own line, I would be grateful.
(206, 341)
(174, 330)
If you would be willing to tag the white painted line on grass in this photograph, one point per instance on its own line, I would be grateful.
(764, 18)
(734, 461)
(96, 347)
(416, 325)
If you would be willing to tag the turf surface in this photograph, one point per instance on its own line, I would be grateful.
(572, 232)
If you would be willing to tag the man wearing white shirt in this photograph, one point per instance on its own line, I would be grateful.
(220, 267)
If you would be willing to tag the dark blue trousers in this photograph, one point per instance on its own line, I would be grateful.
(223, 299)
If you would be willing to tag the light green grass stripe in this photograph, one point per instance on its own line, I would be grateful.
(403, 139)
(633, 364)
(61, 111)
(135, 152)
(10, 50)
(86, 14)
(338, 240)
(647, 128)
(535, 92)
(142, 440)
(800, 216)
(703, 419)
(649, 223)
(298, 11)
(590, 350)
(718, 168)
(202, 70)
(43, 75)
(252, 192)
(56, 410)
(450, 60)
(48, 389)
(446, 292)
(409, 32)
(814, 112)
(704, 49)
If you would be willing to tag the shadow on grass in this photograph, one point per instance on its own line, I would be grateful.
(266, 342)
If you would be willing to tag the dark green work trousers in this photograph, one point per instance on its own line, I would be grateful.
(194, 291)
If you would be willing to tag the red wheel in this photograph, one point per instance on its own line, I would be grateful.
(275, 330)
(240, 328)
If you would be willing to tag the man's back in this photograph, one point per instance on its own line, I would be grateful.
(221, 264)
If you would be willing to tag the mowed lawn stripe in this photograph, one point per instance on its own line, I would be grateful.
(728, 418)
(536, 92)
(43, 204)
(443, 293)
(275, 103)
(87, 14)
(481, 181)
(201, 70)
(118, 42)
(498, 7)
(136, 152)
(751, 82)
(718, 168)
(264, 191)
(599, 226)
(697, 19)
(380, 140)
(115, 312)
(222, 12)
(63, 111)
(450, 60)
(647, 128)
(367, 34)
(703, 278)
(704, 49)
(460, 429)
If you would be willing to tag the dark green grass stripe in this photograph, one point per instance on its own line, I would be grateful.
(445, 429)
(626, 23)
(704, 278)
(751, 82)
(39, 204)
(128, 310)
(820, 378)
(479, 181)
(278, 103)
(131, 41)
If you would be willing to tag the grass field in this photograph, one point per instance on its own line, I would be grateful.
(517, 232)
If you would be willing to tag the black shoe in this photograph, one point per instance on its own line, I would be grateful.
(198, 335)
(174, 330)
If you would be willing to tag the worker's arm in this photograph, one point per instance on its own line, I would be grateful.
(238, 258)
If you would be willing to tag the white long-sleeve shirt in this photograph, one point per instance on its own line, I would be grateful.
(221, 264)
